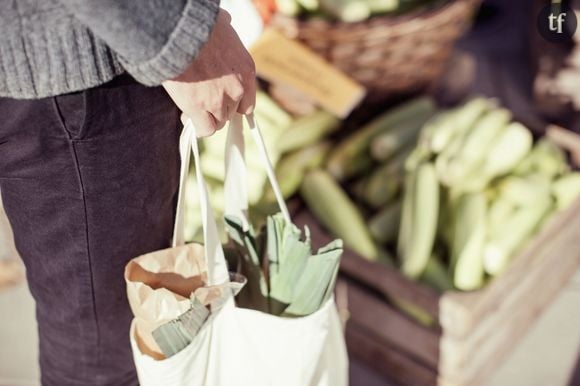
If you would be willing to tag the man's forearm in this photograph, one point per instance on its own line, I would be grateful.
(155, 39)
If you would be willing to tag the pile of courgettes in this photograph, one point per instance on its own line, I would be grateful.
(450, 197)
(348, 10)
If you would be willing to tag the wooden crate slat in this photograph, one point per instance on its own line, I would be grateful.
(483, 358)
(390, 282)
(389, 361)
(549, 259)
(380, 318)
(460, 312)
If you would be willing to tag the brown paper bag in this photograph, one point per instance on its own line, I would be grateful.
(159, 285)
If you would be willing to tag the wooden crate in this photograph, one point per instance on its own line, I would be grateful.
(475, 330)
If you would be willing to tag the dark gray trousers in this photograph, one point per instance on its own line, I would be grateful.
(89, 181)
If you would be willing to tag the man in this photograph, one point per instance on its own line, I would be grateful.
(89, 154)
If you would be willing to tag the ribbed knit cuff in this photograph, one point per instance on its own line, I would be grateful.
(54, 58)
(185, 42)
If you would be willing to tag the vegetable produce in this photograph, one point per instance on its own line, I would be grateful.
(292, 167)
(449, 125)
(424, 209)
(459, 197)
(386, 145)
(385, 182)
(468, 241)
(545, 158)
(348, 10)
(351, 156)
(309, 5)
(525, 191)
(566, 190)
(406, 216)
(288, 7)
(443, 134)
(475, 146)
(332, 206)
(507, 151)
(174, 336)
(475, 189)
(269, 114)
(384, 226)
(504, 155)
(307, 130)
(499, 211)
(436, 275)
(515, 231)
(293, 280)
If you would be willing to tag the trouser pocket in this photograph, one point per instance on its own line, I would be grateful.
(71, 112)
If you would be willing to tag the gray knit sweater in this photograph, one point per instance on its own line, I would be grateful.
(51, 47)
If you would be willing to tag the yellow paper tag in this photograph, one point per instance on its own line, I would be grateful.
(285, 61)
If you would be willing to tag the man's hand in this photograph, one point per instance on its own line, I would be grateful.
(218, 83)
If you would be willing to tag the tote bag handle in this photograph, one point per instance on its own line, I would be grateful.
(217, 269)
(236, 192)
(235, 188)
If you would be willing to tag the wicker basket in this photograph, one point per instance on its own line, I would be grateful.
(389, 55)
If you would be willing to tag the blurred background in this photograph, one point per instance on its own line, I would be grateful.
(447, 134)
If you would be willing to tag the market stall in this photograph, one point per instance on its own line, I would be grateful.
(453, 207)
(415, 162)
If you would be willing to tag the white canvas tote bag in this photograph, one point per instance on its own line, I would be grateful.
(239, 346)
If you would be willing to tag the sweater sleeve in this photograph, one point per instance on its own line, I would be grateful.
(155, 39)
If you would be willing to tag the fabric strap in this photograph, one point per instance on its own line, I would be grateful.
(217, 269)
(236, 191)
(235, 185)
